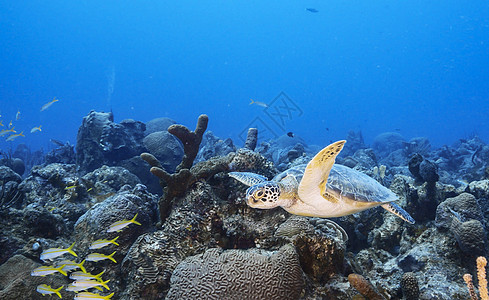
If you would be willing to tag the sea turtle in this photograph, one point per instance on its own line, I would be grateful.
(325, 190)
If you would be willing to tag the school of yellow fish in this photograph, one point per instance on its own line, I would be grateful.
(11, 134)
(83, 280)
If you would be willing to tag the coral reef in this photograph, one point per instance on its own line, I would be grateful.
(238, 274)
(200, 238)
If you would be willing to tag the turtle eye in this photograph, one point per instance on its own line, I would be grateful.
(259, 194)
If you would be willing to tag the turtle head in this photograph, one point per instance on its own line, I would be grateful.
(263, 195)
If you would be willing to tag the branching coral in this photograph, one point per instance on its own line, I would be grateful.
(176, 184)
(481, 276)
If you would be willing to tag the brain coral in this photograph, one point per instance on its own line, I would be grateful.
(238, 274)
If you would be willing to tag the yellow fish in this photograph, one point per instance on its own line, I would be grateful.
(70, 187)
(47, 105)
(14, 136)
(71, 265)
(38, 128)
(55, 252)
(76, 289)
(90, 283)
(102, 243)
(46, 270)
(45, 289)
(119, 225)
(17, 115)
(85, 276)
(10, 124)
(7, 131)
(1, 124)
(88, 295)
(259, 103)
(100, 256)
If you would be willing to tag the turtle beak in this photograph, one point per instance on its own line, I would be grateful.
(251, 201)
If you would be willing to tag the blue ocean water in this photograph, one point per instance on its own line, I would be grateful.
(419, 68)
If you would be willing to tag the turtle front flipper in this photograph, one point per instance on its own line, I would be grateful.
(398, 211)
(248, 178)
(313, 182)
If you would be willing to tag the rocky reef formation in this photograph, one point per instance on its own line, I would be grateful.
(199, 239)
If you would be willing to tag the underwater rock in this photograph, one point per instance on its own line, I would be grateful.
(480, 189)
(137, 166)
(192, 226)
(388, 235)
(9, 245)
(470, 236)
(294, 226)
(15, 164)
(277, 151)
(467, 160)
(58, 188)
(421, 200)
(464, 206)
(250, 161)
(40, 222)
(64, 154)
(16, 281)
(166, 148)
(432, 255)
(320, 244)
(18, 166)
(213, 146)
(428, 171)
(321, 256)
(158, 124)
(365, 159)
(89, 154)
(124, 205)
(100, 141)
(354, 143)
(414, 164)
(420, 145)
(388, 142)
(238, 274)
(395, 159)
(7, 174)
(105, 180)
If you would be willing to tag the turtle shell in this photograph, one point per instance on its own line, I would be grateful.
(348, 182)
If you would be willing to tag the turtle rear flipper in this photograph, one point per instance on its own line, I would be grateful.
(398, 211)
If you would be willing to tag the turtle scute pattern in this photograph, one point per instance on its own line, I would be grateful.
(238, 274)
